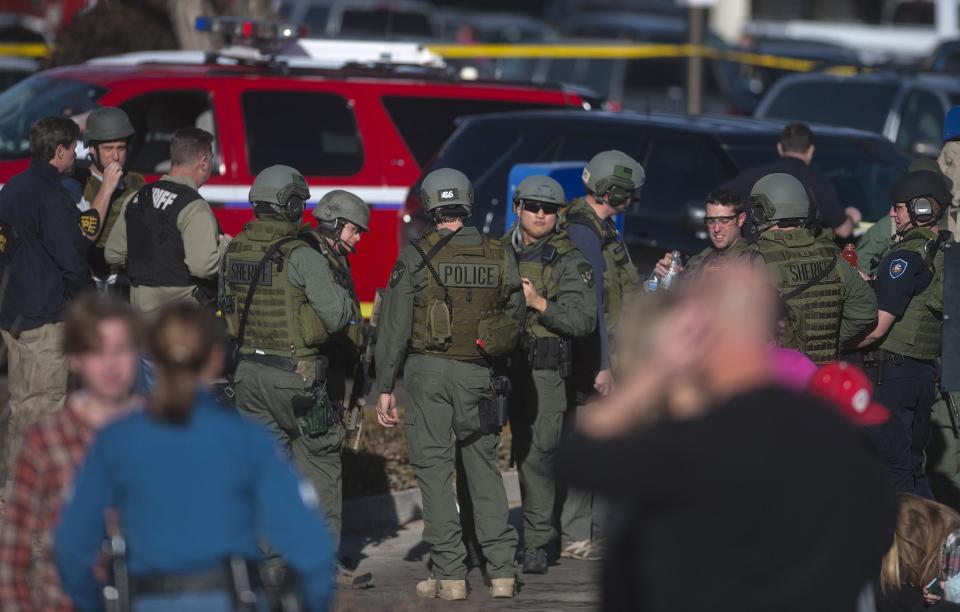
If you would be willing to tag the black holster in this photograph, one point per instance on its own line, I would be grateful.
(549, 354)
(493, 410)
(313, 411)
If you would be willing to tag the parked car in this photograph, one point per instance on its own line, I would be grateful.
(364, 19)
(906, 109)
(366, 128)
(685, 158)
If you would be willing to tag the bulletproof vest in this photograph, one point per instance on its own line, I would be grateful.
(464, 297)
(793, 259)
(133, 182)
(917, 333)
(712, 260)
(340, 268)
(620, 278)
(281, 320)
(155, 255)
(540, 264)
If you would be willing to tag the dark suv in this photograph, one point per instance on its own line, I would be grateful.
(684, 158)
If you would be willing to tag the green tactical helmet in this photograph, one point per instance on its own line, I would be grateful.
(539, 188)
(281, 189)
(778, 196)
(105, 124)
(340, 204)
(446, 187)
(613, 173)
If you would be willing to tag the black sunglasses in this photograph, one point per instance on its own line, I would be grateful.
(536, 207)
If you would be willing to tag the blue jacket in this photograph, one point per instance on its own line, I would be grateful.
(50, 265)
(188, 497)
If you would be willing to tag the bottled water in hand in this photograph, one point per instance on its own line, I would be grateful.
(675, 267)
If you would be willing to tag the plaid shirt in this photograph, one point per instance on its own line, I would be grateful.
(51, 452)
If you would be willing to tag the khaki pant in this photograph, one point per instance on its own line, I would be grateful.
(37, 380)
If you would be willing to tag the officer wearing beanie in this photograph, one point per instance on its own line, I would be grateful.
(281, 303)
(558, 285)
(904, 344)
(453, 304)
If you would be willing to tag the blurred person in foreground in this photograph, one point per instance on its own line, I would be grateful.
(101, 344)
(922, 568)
(194, 485)
(43, 265)
(734, 500)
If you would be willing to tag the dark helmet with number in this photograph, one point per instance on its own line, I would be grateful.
(446, 187)
(614, 174)
(341, 205)
(281, 190)
(106, 124)
(539, 188)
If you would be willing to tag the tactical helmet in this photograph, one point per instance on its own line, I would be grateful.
(281, 189)
(778, 196)
(539, 188)
(340, 204)
(105, 124)
(614, 174)
(446, 187)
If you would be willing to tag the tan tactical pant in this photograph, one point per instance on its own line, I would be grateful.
(37, 381)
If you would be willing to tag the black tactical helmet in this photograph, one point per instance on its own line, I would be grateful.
(106, 124)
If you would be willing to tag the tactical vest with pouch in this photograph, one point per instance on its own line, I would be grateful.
(340, 269)
(917, 333)
(620, 278)
(133, 182)
(280, 320)
(805, 271)
(540, 265)
(461, 314)
(155, 252)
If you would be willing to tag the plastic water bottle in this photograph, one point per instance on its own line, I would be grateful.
(674, 270)
(652, 283)
(849, 253)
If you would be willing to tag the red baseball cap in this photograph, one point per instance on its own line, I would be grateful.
(847, 388)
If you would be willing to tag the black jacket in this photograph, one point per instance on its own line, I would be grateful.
(50, 264)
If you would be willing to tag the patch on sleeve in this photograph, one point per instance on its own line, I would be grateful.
(897, 268)
(586, 273)
(90, 222)
(397, 274)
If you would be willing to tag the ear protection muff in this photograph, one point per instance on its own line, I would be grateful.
(760, 210)
(618, 191)
(294, 209)
(922, 209)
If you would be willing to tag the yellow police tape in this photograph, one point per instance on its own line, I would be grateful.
(31, 50)
(629, 51)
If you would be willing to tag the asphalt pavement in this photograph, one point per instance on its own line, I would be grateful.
(397, 558)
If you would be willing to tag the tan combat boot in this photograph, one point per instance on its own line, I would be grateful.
(448, 590)
(503, 587)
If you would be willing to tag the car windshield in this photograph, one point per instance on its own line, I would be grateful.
(855, 104)
(862, 171)
(36, 97)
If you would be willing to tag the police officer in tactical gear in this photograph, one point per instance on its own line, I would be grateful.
(826, 302)
(906, 341)
(282, 303)
(610, 178)
(558, 285)
(453, 304)
(104, 186)
(342, 218)
(167, 234)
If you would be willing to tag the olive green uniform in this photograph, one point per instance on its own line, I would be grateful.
(873, 245)
(835, 309)
(564, 278)
(446, 381)
(118, 200)
(711, 259)
(296, 308)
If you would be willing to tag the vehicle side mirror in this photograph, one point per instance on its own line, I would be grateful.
(926, 148)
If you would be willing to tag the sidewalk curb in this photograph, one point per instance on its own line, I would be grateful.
(401, 507)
